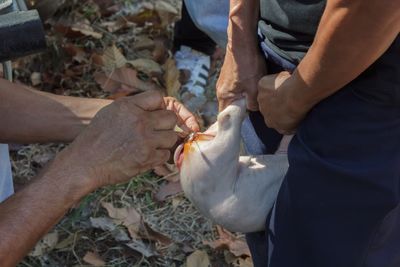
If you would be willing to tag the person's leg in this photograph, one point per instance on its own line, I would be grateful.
(187, 34)
(210, 16)
(339, 203)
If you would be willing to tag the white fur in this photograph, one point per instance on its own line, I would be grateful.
(236, 192)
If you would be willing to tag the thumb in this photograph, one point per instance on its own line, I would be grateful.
(252, 103)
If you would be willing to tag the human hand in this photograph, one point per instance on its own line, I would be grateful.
(186, 120)
(128, 137)
(280, 109)
(239, 77)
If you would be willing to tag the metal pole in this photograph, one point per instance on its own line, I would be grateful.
(7, 70)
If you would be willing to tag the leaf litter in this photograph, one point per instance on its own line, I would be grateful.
(110, 49)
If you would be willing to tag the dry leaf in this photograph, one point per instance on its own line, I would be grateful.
(107, 224)
(114, 26)
(67, 242)
(84, 28)
(237, 246)
(36, 78)
(128, 217)
(150, 234)
(113, 59)
(123, 80)
(168, 190)
(108, 7)
(198, 258)
(171, 78)
(78, 54)
(93, 259)
(133, 221)
(142, 248)
(45, 245)
(166, 12)
(143, 42)
(148, 66)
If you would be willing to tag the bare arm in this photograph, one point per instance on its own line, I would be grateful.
(351, 36)
(244, 65)
(127, 137)
(31, 116)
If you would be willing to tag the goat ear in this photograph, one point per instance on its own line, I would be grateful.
(232, 116)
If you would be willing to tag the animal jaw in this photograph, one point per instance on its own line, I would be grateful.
(234, 191)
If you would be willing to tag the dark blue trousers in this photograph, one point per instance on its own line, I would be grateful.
(339, 205)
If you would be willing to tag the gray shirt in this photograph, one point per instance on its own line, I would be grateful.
(289, 26)
(6, 182)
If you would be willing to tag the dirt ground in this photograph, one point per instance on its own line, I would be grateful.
(147, 222)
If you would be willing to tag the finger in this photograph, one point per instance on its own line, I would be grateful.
(186, 120)
(252, 102)
(150, 100)
(163, 120)
(224, 103)
(165, 139)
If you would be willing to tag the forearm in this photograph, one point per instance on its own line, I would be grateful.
(30, 116)
(242, 27)
(31, 213)
(351, 36)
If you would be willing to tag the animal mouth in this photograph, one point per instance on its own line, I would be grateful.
(192, 138)
(178, 155)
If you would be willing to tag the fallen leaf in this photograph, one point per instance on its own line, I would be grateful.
(143, 42)
(160, 52)
(84, 28)
(108, 7)
(45, 245)
(237, 246)
(150, 234)
(133, 221)
(113, 59)
(67, 242)
(127, 217)
(168, 190)
(148, 66)
(171, 78)
(93, 259)
(76, 29)
(146, 250)
(107, 224)
(123, 80)
(145, 15)
(114, 26)
(36, 78)
(198, 258)
(166, 12)
(78, 54)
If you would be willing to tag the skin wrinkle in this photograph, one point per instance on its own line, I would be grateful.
(102, 154)
(335, 59)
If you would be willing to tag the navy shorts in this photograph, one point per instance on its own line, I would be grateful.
(339, 205)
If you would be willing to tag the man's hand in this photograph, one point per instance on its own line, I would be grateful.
(279, 109)
(186, 120)
(128, 137)
(239, 77)
(244, 65)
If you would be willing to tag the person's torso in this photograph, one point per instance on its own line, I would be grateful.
(289, 26)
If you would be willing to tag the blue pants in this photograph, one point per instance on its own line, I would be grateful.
(339, 205)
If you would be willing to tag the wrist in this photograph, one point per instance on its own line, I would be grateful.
(298, 96)
(71, 175)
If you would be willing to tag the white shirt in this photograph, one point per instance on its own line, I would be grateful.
(6, 182)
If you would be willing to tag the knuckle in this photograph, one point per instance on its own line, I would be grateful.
(143, 154)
